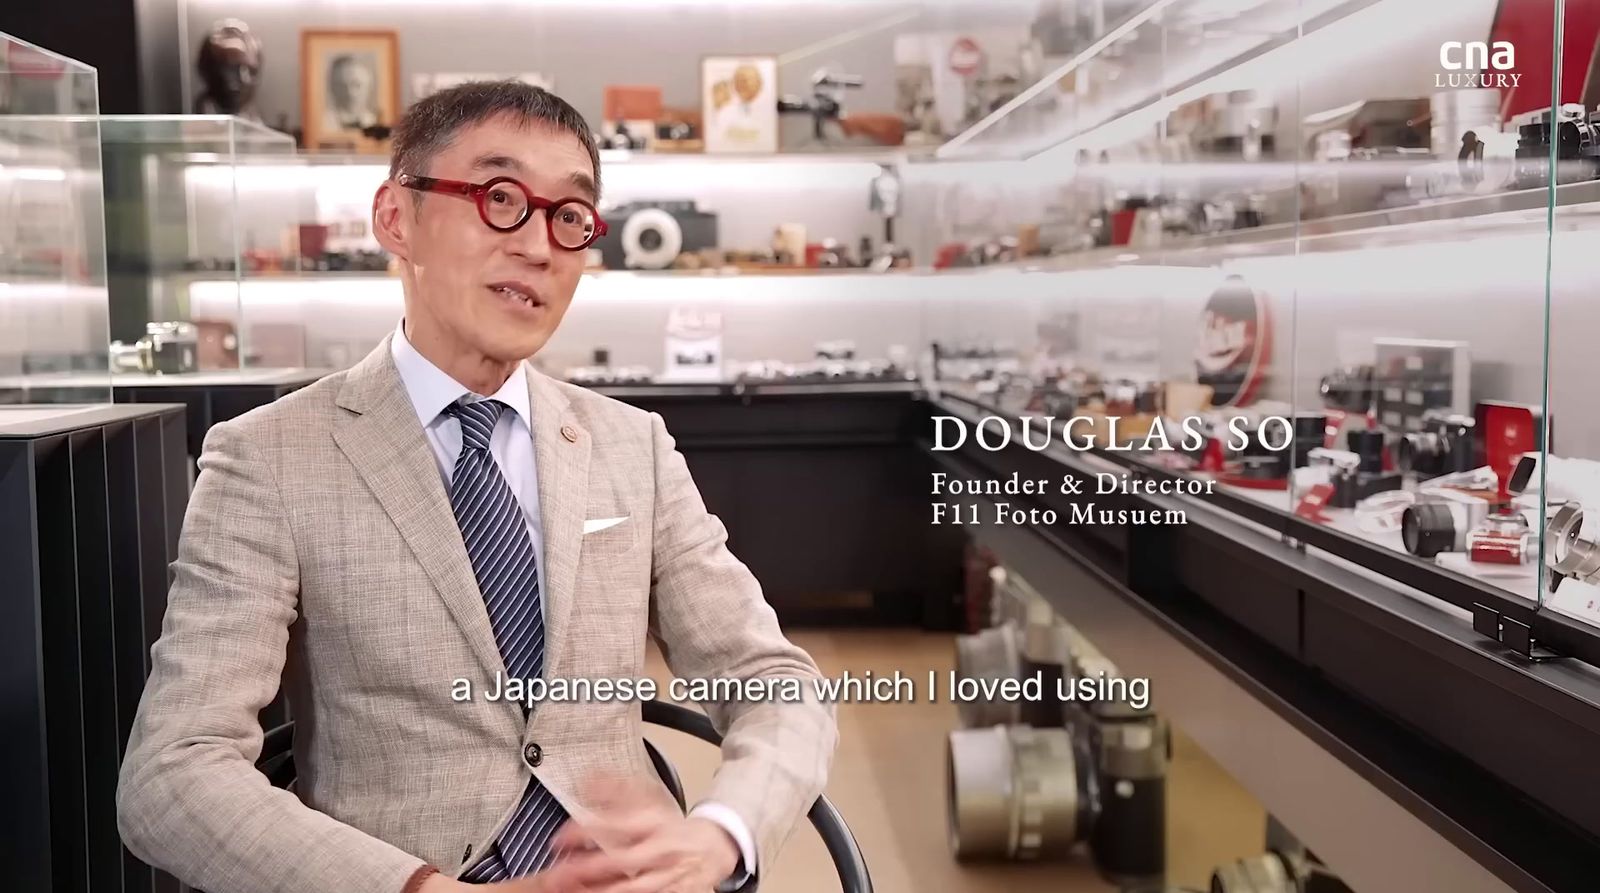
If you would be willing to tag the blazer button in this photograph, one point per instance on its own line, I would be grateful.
(533, 755)
(570, 433)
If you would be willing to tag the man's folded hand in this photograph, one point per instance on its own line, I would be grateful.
(637, 843)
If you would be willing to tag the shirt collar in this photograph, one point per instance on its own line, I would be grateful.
(431, 389)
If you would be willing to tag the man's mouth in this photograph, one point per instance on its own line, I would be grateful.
(517, 293)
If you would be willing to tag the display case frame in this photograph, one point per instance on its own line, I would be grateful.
(53, 304)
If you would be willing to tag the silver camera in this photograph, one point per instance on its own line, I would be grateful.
(167, 348)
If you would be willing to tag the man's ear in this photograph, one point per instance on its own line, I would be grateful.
(391, 220)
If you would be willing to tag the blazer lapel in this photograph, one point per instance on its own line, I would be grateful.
(561, 450)
(385, 443)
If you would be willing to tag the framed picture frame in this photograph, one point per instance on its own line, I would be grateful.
(739, 103)
(349, 89)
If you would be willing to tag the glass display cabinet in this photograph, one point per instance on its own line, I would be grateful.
(1564, 484)
(53, 318)
(196, 213)
(1363, 229)
(1305, 220)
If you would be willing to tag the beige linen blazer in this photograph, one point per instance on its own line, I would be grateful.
(320, 549)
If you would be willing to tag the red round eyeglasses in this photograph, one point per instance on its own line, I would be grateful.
(505, 204)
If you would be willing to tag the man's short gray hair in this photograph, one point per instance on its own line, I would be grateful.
(432, 123)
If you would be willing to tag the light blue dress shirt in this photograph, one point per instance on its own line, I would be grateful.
(511, 444)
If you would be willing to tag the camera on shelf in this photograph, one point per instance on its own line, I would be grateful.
(1348, 389)
(1347, 472)
(359, 261)
(167, 348)
(1567, 553)
(1503, 538)
(1126, 396)
(1276, 871)
(1568, 485)
(1576, 139)
(1022, 792)
(601, 372)
(1257, 461)
(833, 362)
(1060, 393)
(1031, 779)
(652, 235)
(973, 363)
(1024, 637)
(1445, 444)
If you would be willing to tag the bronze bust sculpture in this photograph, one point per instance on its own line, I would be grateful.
(230, 67)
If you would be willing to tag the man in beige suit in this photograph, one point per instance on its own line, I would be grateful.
(442, 515)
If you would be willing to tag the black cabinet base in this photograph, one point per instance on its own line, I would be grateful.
(89, 519)
(818, 489)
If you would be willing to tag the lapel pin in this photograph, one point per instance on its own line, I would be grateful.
(570, 433)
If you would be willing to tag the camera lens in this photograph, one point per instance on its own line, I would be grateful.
(1369, 446)
(1429, 528)
(1265, 873)
(1310, 432)
(1016, 792)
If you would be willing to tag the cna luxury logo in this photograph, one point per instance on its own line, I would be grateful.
(1476, 64)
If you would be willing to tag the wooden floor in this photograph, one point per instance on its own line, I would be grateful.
(889, 783)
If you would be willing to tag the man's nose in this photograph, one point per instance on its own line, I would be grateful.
(532, 241)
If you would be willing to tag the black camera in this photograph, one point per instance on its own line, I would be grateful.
(1348, 389)
(1577, 143)
(1066, 771)
(1258, 461)
(652, 235)
(1350, 481)
(1445, 445)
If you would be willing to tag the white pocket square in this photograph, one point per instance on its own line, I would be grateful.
(597, 524)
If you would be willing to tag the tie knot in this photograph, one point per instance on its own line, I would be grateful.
(477, 421)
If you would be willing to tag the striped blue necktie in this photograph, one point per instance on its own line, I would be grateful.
(503, 560)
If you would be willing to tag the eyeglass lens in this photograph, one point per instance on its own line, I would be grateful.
(571, 223)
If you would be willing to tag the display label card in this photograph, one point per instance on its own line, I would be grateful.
(1313, 501)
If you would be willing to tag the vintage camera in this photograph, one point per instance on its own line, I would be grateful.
(1034, 790)
(1503, 538)
(1567, 553)
(601, 372)
(1025, 638)
(1257, 461)
(1025, 793)
(1348, 389)
(651, 235)
(1368, 445)
(1444, 445)
(1441, 522)
(1129, 397)
(1277, 871)
(1569, 485)
(167, 348)
(1310, 432)
(1351, 483)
